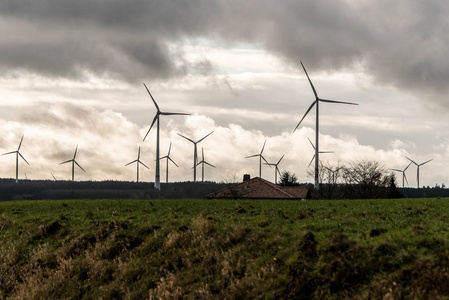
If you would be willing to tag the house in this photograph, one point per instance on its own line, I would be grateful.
(258, 188)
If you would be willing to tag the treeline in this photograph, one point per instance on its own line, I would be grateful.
(46, 189)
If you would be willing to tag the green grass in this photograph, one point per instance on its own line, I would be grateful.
(224, 249)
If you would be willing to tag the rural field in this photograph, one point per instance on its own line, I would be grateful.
(134, 249)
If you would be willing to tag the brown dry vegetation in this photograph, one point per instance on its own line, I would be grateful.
(224, 249)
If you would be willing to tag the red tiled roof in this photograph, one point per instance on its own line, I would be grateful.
(258, 188)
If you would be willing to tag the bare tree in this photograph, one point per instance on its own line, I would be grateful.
(329, 180)
(366, 180)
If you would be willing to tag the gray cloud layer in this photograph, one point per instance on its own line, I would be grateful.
(401, 43)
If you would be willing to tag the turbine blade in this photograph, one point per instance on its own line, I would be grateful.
(277, 169)
(186, 138)
(396, 170)
(76, 149)
(405, 177)
(280, 159)
(79, 166)
(173, 161)
(53, 176)
(67, 161)
(310, 81)
(253, 155)
(313, 157)
(139, 162)
(263, 147)
(9, 152)
(154, 121)
(325, 152)
(176, 114)
(138, 155)
(308, 110)
(169, 149)
(411, 160)
(407, 166)
(209, 164)
(204, 137)
(23, 158)
(312, 144)
(20, 144)
(426, 162)
(264, 159)
(202, 153)
(131, 162)
(155, 104)
(340, 102)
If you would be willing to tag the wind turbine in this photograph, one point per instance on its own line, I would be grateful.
(321, 152)
(260, 159)
(276, 169)
(203, 162)
(17, 152)
(168, 158)
(404, 177)
(417, 170)
(73, 164)
(195, 153)
(157, 181)
(316, 102)
(138, 162)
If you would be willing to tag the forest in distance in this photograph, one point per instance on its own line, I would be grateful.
(48, 189)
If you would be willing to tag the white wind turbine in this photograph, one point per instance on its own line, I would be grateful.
(260, 159)
(17, 152)
(168, 158)
(137, 161)
(203, 162)
(417, 170)
(73, 161)
(195, 153)
(321, 152)
(276, 169)
(316, 103)
(404, 177)
(157, 181)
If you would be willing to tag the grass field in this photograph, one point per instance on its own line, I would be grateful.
(224, 249)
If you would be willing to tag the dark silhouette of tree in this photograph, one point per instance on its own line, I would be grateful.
(288, 179)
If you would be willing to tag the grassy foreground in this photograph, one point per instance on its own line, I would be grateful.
(136, 249)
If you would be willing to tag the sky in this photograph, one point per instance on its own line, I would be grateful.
(72, 73)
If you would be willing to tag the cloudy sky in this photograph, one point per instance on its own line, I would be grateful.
(71, 73)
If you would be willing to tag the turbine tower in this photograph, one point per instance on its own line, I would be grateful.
(417, 170)
(404, 177)
(203, 162)
(260, 159)
(17, 152)
(138, 162)
(73, 161)
(316, 102)
(168, 158)
(195, 153)
(157, 181)
(276, 169)
(321, 152)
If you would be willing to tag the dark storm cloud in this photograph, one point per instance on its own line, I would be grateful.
(400, 43)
